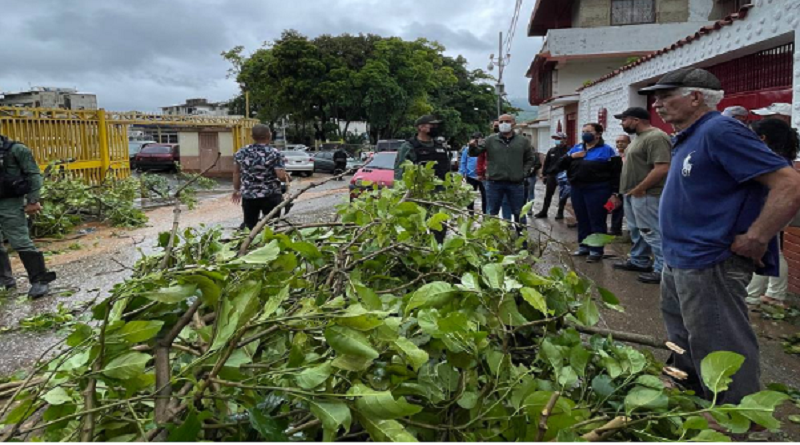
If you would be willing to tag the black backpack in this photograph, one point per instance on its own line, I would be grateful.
(11, 186)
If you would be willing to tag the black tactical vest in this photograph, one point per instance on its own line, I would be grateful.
(437, 154)
(11, 186)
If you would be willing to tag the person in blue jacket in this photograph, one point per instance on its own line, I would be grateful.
(468, 169)
(593, 169)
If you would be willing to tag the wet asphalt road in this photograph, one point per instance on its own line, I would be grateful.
(91, 274)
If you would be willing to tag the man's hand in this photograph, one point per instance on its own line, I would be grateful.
(637, 192)
(579, 154)
(473, 143)
(33, 209)
(751, 247)
(236, 197)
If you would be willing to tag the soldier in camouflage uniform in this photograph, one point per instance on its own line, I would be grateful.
(20, 183)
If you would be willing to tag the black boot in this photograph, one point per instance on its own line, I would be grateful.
(38, 275)
(561, 204)
(6, 276)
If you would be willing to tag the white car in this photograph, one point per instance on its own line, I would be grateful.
(298, 161)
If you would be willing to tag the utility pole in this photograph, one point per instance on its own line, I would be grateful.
(501, 61)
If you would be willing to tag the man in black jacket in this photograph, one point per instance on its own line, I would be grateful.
(550, 174)
(339, 162)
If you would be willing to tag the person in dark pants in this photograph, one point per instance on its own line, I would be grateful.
(726, 198)
(550, 175)
(20, 185)
(468, 168)
(618, 215)
(593, 169)
(257, 175)
(424, 148)
(509, 159)
(339, 162)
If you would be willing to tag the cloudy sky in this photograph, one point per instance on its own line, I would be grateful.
(143, 54)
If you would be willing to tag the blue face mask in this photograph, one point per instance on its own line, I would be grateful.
(587, 138)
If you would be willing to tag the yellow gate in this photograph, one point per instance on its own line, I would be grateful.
(95, 142)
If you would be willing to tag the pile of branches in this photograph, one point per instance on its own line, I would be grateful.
(361, 329)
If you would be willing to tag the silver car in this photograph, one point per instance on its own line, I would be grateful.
(298, 161)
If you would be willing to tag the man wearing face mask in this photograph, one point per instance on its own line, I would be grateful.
(424, 148)
(510, 158)
(550, 175)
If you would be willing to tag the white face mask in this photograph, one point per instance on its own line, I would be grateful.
(505, 127)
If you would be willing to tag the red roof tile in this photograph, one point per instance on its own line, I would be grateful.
(741, 15)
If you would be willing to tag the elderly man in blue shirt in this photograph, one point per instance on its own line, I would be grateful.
(726, 198)
(468, 169)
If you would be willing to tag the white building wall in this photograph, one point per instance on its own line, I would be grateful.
(189, 142)
(768, 24)
(557, 115)
(575, 74)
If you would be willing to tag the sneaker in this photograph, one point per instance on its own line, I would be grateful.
(650, 277)
(630, 267)
(594, 258)
(580, 253)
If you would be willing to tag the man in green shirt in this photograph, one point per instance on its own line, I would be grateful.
(644, 173)
(20, 183)
(509, 160)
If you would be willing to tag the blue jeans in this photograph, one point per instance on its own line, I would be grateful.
(642, 214)
(498, 191)
(588, 203)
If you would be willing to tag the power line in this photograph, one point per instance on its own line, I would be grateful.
(512, 30)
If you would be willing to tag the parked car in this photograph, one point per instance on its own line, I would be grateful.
(298, 161)
(158, 156)
(388, 145)
(379, 170)
(134, 147)
(323, 162)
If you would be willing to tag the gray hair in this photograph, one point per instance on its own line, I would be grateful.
(712, 98)
(261, 132)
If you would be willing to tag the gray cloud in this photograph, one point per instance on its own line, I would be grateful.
(150, 53)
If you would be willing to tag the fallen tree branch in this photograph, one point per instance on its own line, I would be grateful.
(548, 409)
(599, 434)
(644, 340)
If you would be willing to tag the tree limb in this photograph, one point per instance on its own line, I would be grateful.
(548, 409)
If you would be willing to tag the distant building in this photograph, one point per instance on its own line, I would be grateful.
(49, 97)
(587, 39)
(198, 107)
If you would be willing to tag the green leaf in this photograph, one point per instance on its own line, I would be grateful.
(526, 209)
(494, 275)
(598, 240)
(127, 366)
(237, 309)
(57, 396)
(268, 428)
(80, 333)
(356, 317)
(174, 294)
(385, 430)
(381, 404)
(306, 249)
(552, 354)
(509, 313)
(351, 363)
(567, 377)
(468, 400)
(434, 294)
(588, 314)
(470, 282)
(710, 436)
(579, 358)
(350, 342)
(759, 408)
(274, 303)
(494, 359)
(535, 299)
(649, 381)
(310, 378)
(332, 415)
(415, 356)
(603, 386)
(209, 289)
(369, 298)
(138, 331)
(608, 297)
(435, 221)
(646, 398)
(695, 423)
(188, 430)
(717, 369)
(794, 418)
(531, 279)
(262, 255)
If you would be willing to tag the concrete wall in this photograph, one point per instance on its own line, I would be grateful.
(573, 75)
(597, 13)
(226, 150)
(616, 39)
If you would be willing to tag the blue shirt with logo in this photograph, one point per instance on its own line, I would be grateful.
(711, 196)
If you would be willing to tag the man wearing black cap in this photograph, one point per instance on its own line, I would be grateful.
(726, 198)
(424, 148)
(643, 175)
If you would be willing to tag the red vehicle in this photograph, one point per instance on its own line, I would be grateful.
(158, 157)
(379, 170)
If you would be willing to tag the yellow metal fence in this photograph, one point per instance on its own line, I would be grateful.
(94, 142)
